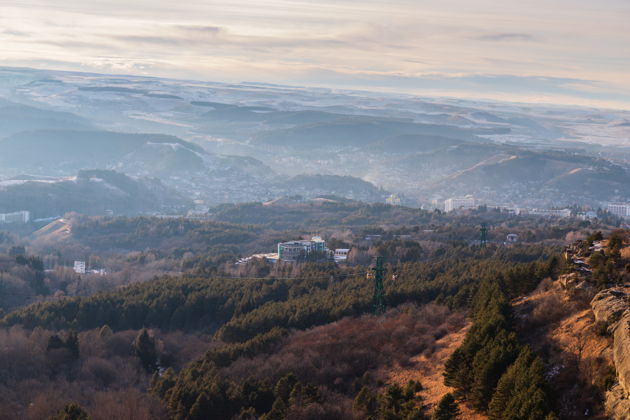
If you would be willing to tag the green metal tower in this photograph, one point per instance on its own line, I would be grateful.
(483, 241)
(378, 299)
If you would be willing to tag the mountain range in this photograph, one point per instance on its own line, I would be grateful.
(91, 192)
(221, 143)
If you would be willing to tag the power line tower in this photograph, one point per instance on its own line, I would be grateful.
(378, 301)
(483, 240)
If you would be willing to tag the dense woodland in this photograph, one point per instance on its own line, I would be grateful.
(251, 325)
(492, 370)
(176, 330)
(132, 250)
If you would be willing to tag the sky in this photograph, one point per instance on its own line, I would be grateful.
(552, 51)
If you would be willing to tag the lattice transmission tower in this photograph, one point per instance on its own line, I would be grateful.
(378, 300)
(483, 240)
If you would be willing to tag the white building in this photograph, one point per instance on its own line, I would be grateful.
(587, 215)
(436, 204)
(451, 204)
(393, 200)
(16, 217)
(79, 267)
(294, 250)
(551, 212)
(341, 255)
(271, 257)
(511, 238)
(619, 209)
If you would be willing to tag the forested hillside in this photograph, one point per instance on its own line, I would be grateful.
(199, 329)
(261, 318)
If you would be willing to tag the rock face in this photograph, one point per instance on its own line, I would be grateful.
(612, 305)
(621, 352)
(617, 405)
(568, 280)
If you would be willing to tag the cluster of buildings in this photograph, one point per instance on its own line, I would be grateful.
(300, 250)
(550, 212)
(469, 203)
(295, 250)
(15, 217)
(80, 267)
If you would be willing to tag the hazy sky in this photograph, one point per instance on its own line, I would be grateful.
(564, 51)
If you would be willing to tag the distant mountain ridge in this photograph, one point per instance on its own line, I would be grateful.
(311, 186)
(356, 132)
(71, 150)
(91, 192)
(257, 136)
(179, 164)
(15, 118)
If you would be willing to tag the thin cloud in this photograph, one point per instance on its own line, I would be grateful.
(155, 40)
(507, 36)
(397, 44)
(200, 36)
(202, 29)
(15, 33)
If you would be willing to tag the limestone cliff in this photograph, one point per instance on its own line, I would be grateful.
(621, 352)
(612, 306)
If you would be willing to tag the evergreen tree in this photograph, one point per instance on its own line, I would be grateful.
(278, 411)
(54, 343)
(257, 394)
(399, 403)
(105, 331)
(489, 364)
(491, 368)
(71, 411)
(447, 408)
(200, 409)
(72, 344)
(144, 348)
(365, 401)
(284, 386)
(457, 372)
(521, 391)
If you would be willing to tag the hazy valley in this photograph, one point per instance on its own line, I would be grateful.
(251, 142)
(173, 249)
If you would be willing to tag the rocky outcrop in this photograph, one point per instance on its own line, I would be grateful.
(612, 306)
(568, 280)
(617, 404)
(608, 305)
(621, 352)
(576, 285)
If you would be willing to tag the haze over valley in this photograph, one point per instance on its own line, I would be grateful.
(219, 143)
(333, 210)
